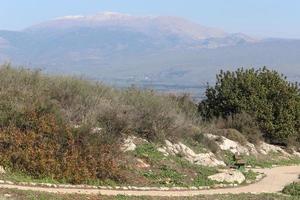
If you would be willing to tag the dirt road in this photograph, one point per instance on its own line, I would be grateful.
(275, 180)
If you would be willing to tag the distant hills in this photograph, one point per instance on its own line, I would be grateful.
(123, 49)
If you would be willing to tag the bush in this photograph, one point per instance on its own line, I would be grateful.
(40, 116)
(119, 112)
(293, 189)
(263, 94)
(240, 127)
(42, 145)
(208, 143)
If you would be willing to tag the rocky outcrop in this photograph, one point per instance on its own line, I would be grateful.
(128, 144)
(229, 176)
(229, 145)
(206, 159)
(265, 148)
(237, 148)
(141, 164)
(2, 170)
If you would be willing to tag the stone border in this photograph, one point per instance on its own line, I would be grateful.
(50, 185)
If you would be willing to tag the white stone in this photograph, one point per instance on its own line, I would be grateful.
(141, 164)
(265, 148)
(206, 159)
(2, 170)
(163, 151)
(128, 144)
(96, 130)
(231, 176)
(229, 145)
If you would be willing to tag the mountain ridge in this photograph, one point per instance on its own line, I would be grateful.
(145, 50)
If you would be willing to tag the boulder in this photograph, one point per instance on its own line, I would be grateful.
(128, 144)
(206, 159)
(163, 151)
(229, 145)
(230, 176)
(265, 148)
(141, 164)
(2, 170)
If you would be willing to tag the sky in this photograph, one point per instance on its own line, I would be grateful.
(262, 18)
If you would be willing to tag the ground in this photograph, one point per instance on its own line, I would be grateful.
(28, 195)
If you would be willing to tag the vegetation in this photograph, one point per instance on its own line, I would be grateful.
(47, 125)
(293, 189)
(68, 130)
(171, 170)
(267, 97)
(30, 195)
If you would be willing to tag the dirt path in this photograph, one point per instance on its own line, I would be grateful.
(275, 180)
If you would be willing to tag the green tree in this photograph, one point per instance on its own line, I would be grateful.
(266, 95)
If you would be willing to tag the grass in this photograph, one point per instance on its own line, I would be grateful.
(171, 170)
(22, 177)
(30, 195)
(165, 176)
(267, 161)
(292, 189)
(28, 99)
(149, 152)
(250, 175)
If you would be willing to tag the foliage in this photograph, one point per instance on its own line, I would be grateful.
(80, 102)
(240, 127)
(149, 152)
(293, 189)
(47, 123)
(263, 94)
(250, 175)
(42, 145)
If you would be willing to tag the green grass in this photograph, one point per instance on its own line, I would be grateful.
(292, 189)
(250, 175)
(165, 176)
(149, 152)
(267, 161)
(30, 195)
(202, 172)
(22, 177)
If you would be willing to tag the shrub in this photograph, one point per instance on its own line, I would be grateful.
(42, 145)
(265, 95)
(119, 112)
(240, 127)
(208, 143)
(41, 112)
(293, 189)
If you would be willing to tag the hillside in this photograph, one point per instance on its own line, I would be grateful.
(65, 130)
(166, 53)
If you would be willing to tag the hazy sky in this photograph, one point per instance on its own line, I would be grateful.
(275, 18)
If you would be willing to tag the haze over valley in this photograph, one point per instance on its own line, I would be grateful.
(162, 52)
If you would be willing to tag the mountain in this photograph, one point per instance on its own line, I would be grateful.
(161, 51)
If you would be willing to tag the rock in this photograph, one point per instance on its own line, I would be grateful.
(163, 151)
(206, 159)
(2, 170)
(229, 145)
(231, 176)
(251, 148)
(128, 144)
(265, 148)
(141, 164)
(296, 153)
(96, 130)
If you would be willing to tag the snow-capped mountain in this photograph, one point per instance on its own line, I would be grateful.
(116, 47)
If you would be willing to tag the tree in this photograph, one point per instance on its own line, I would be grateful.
(266, 95)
